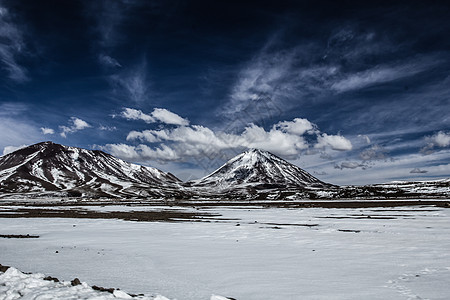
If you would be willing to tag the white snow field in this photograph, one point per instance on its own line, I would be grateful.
(17, 285)
(274, 253)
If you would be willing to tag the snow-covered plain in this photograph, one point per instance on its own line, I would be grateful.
(274, 253)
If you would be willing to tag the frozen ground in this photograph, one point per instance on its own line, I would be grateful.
(276, 253)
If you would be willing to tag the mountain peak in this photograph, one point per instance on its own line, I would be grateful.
(47, 166)
(259, 167)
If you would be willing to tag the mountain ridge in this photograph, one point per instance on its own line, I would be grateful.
(47, 166)
(53, 170)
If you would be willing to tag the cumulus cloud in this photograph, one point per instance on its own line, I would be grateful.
(168, 117)
(335, 142)
(285, 138)
(418, 171)
(46, 130)
(141, 152)
(75, 124)
(196, 140)
(12, 45)
(136, 114)
(11, 149)
(297, 126)
(159, 114)
(440, 139)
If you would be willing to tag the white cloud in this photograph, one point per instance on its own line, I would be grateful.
(366, 78)
(75, 124)
(198, 140)
(136, 114)
(141, 152)
(335, 142)
(275, 140)
(158, 114)
(297, 126)
(123, 151)
(11, 149)
(440, 139)
(11, 46)
(311, 72)
(79, 124)
(284, 138)
(168, 117)
(382, 74)
(46, 130)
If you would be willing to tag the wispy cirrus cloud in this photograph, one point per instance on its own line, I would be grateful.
(312, 72)
(132, 83)
(12, 46)
(108, 61)
(14, 129)
(108, 17)
(129, 82)
(383, 73)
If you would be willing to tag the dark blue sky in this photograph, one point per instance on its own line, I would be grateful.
(354, 92)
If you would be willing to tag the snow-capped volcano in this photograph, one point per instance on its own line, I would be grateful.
(259, 168)
(48, 166)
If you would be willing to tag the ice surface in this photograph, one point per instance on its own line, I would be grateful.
(276, 253)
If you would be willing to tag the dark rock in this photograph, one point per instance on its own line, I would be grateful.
(75, 282)
(3, 268)
(102, 289)
(49, 278)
